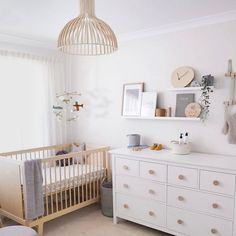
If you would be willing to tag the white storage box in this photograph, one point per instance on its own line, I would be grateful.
(180, 149)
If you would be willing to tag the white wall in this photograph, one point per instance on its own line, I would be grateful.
(151, 60)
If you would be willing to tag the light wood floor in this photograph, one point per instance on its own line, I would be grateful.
(90, 222)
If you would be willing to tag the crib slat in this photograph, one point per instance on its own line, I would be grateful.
(65, 187)
(69, 180)
(62, 207)
(45, 183)
(74, 195)
(51, 193)
(82, 175)
(55, 172)
(86, 178)
(94, 176)
(79, 180)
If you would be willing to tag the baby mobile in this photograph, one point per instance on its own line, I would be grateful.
(67, 106)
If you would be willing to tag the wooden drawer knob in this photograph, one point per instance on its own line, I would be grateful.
(216, 183)
(151, 213)
(151, 191)
(125, 206)
(180, 198)
(125, 185)
(180, 222)
(180, 177)
(125, 167)
(213, 231)
(151, 172)
(215, 205)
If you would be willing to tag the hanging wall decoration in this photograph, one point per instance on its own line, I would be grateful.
(182, 77)
(132, 99)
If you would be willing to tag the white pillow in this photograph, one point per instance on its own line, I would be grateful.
(78, 148)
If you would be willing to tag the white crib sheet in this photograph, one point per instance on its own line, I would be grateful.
(58, 178)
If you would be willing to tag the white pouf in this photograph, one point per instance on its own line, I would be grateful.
(17, 231)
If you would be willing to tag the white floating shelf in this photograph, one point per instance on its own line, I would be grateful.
(188, 89)
(162, 118)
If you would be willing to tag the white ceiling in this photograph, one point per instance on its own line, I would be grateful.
(43, 19)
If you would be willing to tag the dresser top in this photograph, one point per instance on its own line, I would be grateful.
(197, 159)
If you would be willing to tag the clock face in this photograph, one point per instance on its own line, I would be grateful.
(182, 77)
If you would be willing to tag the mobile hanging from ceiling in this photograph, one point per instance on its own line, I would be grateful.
(67, 103)
(86, 34)
(67, 106)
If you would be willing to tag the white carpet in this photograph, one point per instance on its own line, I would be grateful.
(90, 222)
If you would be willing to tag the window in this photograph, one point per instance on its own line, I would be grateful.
(25, 103)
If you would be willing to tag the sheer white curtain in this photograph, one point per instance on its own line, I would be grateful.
(28, 85)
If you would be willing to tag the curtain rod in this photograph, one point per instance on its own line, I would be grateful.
(31, 56)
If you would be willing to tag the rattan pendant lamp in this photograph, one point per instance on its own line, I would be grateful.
(86, 34)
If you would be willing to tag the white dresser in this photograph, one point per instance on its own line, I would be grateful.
(181, 195)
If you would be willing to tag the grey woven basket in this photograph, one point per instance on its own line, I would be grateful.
(107, 199)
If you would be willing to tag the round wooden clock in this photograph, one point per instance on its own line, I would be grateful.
(182, 77)
(193, 110)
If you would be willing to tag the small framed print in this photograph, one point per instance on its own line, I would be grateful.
(182, 101)
(132, 99)
(149, 102)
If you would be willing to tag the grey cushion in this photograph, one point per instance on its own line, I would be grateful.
(17, 231)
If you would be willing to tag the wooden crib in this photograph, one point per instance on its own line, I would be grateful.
(66, 187)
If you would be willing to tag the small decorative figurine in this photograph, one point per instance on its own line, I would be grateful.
(194, 83)
(156, 147)
(208, 80)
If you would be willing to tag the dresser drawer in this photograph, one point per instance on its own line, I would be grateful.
(153, 171)
(217, 182)
(153, 191)
(147, 211)
(136, 186)
(127, 185)
(127, 205)
(196, 224)
(127, 167)
(183, 176)
(208, 203)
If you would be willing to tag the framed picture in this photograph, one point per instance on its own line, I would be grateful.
(182, 101)
(132, 99)
(149, 103)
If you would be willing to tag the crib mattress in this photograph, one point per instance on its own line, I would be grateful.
(59, 178)
(56, 179)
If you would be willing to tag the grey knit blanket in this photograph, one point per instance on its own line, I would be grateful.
(33, 189)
